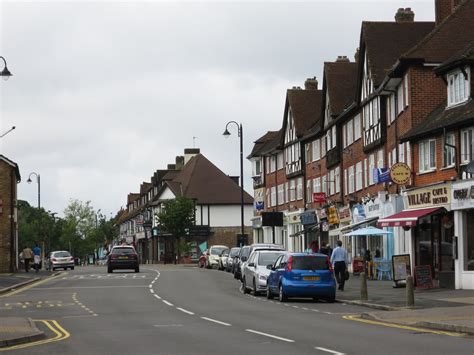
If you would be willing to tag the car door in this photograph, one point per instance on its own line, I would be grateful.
(248, 274)
(273, 277)
(280, 271)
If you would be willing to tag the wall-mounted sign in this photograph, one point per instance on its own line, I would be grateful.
(333, 217)
(400, 173)
(319, 197)
(463, 195)
(345, 214)
(401, 267)
(358, 213)
(272, 219)
(433, 196)
(381, 175)
(308, 217)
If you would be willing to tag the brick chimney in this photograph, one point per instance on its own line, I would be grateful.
(179, 162)
(342, 59)
(404, 15)
(444, 8)
(311, 84)
(190, 153)
(356, 55)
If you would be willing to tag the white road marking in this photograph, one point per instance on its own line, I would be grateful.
(157, 296)
(150, 286)
(152, 291)
(168, 303)
(216, 321)
(270, 335)
(329, 350)
(185, 311)
(167, 325)
(84, 316)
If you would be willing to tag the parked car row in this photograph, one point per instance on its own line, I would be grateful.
(271, 270)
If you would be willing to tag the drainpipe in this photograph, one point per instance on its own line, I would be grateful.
(456, 161)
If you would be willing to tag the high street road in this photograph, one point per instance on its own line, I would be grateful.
(186, 310)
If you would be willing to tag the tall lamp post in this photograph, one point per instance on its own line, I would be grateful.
(241, 136)
(5, 73)
(38, 180)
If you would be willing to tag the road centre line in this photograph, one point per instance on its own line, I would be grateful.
(185, 311)
(329, 350)
(269, 335)
(216, 321)
(157, 296)
(168, 303)
(152, 291)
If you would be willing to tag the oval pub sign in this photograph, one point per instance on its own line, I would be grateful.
(400, 173)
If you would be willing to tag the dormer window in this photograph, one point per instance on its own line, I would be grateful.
(458, 87)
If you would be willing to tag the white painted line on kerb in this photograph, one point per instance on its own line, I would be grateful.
(329, 351)
(157, 296)
(216, 321)
(270, 335)
(185, 311)
(168, 303)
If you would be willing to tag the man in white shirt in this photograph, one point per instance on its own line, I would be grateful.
(339, 261)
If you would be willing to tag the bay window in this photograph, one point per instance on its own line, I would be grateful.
(458, 87)
(427, 155)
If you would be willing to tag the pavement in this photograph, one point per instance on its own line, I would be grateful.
(442, 309)
(21, 278)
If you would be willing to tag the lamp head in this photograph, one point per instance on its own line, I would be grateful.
(6, 74)
(28, 181)
(226, 133)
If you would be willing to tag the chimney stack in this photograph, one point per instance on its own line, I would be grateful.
(189, 153)
(404, 15)
(342, 59)
(311, 84)
(179, 162)
(356, 55)
(444, 8)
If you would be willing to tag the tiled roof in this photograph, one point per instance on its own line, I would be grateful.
(262, 143)
(385, 42)
(440, 118)
(145, 187)
(464, 56)
(449, 37)
(202, 180)
(306, 108)
(12, 164)
(341, 81)
(132, 197)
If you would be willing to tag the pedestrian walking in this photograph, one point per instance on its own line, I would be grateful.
(27, 256)
(326, 249)
(37, 257)
(339, 261)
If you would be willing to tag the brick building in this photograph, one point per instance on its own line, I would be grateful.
(9, 178)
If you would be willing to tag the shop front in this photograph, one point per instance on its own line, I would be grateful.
(311, 232)
(428, 217)
(295, 230)
(462, 204)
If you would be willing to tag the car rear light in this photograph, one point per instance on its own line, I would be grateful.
(71, 258)
(53, 259)
(134, 256)
(289, 264)
(113, 256)
(329, 264)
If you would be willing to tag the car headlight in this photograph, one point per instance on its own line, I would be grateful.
(262, 277)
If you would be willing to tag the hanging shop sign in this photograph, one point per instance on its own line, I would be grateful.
(259, 198)
(381, 175)
(433, 196)
(319, 197)
(358, 213)
(333, 217)
(308, 217)
(345, 214)
(463, 195)
(400, 173)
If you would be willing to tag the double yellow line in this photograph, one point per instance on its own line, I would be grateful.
(60, 334)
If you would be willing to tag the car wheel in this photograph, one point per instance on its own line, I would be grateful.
(244, 286)
(137, 269)
(281, 295)
(331, 299)
(72, 268)
(109, 270)
(315, 299)
(254, 290)
(269, 293)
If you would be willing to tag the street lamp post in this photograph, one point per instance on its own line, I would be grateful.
(5, 73)
(38, 180)
(241, 136)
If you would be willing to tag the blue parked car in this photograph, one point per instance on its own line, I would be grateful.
(301, 275)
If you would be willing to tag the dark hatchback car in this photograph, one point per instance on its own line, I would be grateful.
(123, 257)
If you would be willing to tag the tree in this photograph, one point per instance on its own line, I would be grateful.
(176, 217)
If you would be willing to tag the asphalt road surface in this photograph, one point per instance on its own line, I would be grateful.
(186, 310)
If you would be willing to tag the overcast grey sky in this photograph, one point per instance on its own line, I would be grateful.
(104, 93)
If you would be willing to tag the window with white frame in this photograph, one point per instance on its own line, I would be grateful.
(299, 188)
(351, 179)
(458, 86)
(272, 163)
(324, 185)
(400, 102)
(371, 168)
(391, 115)
(449, 152)
(323, 146)
(268, 198)
(401, 153)
(467, 145)
(366, 179)
(273, 196)
(344, 136)
(337, 179)
(333, 139)
(316, 150)
(380, 159)
(358, 176)
(350, 132)
(309, 191)
(408, 156)
(280, 161)
(393, 157)
(331, 180)
(427, 155)
(281, 194)
(346, 189)
(287, 194)
(317, 185)
(357, 131)
(405, 91)
(292, 190)
(257, 167)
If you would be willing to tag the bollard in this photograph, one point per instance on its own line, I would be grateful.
(410, 292)
(364, 296)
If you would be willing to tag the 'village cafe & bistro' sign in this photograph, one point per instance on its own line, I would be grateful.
(432, 196)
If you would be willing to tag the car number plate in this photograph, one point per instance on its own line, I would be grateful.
(123, 257)
(311, 278)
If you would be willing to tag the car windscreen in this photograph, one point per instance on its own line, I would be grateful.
(217, 251)
(234, 252)
(245, 252)
(123, 251)
(225, 252)
(267, 258)
(61, 254)
(310, 263)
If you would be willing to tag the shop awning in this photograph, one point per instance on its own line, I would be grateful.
(406, 218)
(354, 225)
(310, 229)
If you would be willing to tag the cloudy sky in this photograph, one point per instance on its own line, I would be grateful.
(104, 93)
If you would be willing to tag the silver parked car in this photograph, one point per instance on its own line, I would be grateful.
(255, 272)
(59, 260)
(234, 252)
(251, 249)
